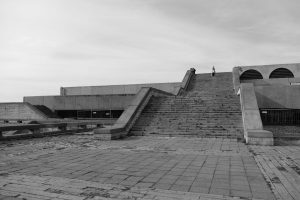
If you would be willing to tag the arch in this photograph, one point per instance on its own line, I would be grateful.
(251, 74)
(281, 73)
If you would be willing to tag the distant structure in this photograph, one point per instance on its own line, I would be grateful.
(240, 104)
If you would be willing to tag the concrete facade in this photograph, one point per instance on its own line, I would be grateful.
(272, 93)
(266, 70)
(277, 81)
(117, 89)
(20, 111)
(82, 102)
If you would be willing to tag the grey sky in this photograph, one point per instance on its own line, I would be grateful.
(45, 44)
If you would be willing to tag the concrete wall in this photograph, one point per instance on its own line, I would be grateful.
(266, 70)
(82, 102)
(21, 111)
(278, 96)
(275, 81)
(118, 89)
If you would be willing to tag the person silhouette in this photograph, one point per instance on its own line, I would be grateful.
(213, 71)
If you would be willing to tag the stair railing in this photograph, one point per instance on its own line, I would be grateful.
(186, 81)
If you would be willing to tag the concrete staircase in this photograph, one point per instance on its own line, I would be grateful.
(209, 108)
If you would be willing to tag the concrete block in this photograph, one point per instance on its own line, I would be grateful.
(260, 137)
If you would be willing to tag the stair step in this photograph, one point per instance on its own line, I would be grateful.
(208, 108)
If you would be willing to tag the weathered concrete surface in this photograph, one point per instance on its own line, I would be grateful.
(20, 111)
(208, 108)
(266, 70)
(236, 79)
(130, 115)
(82, 167)
(282, 131)
(95, 102)
(278, 96)
(280, 166)
(275, 81)
(253, 128)
(118, 89)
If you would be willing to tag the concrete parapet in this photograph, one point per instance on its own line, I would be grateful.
(48, 128)
(130, 115)
(20, 111)
(117, 89)
(253, 127)
(187, 78)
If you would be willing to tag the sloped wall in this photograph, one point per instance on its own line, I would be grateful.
(20, 111)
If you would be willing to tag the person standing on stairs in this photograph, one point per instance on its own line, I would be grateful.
(213, 71)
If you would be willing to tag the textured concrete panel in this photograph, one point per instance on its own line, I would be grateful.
(19, 111)
(278, 96)
(119, 89)
(266, 70)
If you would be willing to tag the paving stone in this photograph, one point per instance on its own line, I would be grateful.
(219, 191)
(241, 193)
(123, 164)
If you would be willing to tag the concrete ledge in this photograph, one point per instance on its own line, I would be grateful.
(260, 137)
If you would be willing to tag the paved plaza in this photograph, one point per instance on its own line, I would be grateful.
(83, 167)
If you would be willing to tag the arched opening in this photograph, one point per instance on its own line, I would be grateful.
(250, 75)
(281, 73)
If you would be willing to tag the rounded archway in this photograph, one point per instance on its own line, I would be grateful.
(251, 74)
(281, 73)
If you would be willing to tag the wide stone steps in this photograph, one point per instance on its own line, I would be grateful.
(208, 108)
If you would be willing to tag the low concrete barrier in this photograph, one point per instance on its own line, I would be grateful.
(43, 128)
(253, 128)
(130, 115)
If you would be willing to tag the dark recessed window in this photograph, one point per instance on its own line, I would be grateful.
(250, 75)
(281, 73)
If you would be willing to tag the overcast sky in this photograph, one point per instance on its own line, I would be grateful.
(46, 44)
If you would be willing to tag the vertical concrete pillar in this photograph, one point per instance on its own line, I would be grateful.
(253, 127)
